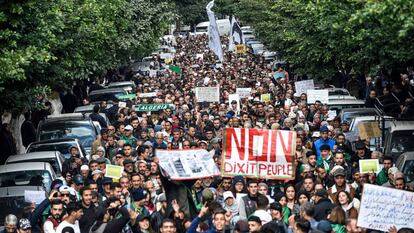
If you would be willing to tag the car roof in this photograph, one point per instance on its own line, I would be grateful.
(60, 122)
(15, 167)
(107, 90)
(55, 141)
(18, 191)
(121, 82)
(409, 155)
(346, 110)
(372, 118)
(77, 116)
(402, 126)
(345, 102)
(32, 155)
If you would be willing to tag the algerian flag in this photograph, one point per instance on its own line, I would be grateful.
(235, 34)
(176, 69)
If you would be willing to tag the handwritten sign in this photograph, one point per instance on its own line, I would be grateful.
(207, 94)
(243, 92)
(259, 153)
(321, 95)
(113, 171)
(382, 208)
(126, 97)
(369, 130)
(234, 97)
(369, 165)
(188, 164)
(34, 196)
(302, 87)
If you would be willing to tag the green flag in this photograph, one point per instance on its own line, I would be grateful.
(176, 69)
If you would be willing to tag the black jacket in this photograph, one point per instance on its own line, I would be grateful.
(96, 117)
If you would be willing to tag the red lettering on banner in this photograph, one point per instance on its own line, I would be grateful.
(240, 144)
(287, 148)
(258, 133)
(273, 146)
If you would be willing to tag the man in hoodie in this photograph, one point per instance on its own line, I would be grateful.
(230, 205)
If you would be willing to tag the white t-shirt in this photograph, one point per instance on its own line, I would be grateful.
(263, 215)
(67, 224)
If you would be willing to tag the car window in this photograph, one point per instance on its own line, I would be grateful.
(402, 141)
(408, 170)
(26, 178)
(63, 148)
(85, 133)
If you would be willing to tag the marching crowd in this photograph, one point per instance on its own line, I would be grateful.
(324, 196)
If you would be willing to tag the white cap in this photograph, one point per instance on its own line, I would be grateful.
(128, 127)
(84, 167)
(316, 134)
(96, 172)
(227, 194)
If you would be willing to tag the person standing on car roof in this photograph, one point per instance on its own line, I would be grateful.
(95, 116)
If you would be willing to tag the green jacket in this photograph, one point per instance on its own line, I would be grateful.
(338, 228)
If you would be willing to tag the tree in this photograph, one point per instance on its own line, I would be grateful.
(52, 43)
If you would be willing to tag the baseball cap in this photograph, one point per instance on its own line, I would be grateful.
(324, 129)
(78, 179)
(101, 160)
(127, 161)
(107, 180)
(227, 194)
(324, 147)
(24, 224)
(148, 143)
(316, 134)
(68, 229)
(97, 171)
(128, 127)
(139, 194)
(321, 193)
(339, 172)
(324, 226)
(142, 217)
(359, 145)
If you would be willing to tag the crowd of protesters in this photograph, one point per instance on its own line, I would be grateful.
(324, 196)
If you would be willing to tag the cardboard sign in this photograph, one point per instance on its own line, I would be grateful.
(200, 55)
(153, 73)
(321, 95)
(187, 164)
(369, 130)
(34, 196)
(302, 87)
(244, 92)
(113, 171)
(240, 48)
(265, 97)
(147, 95)
(207, 94)
(259, 153)
(234, 97)
(369, 165)
(152, 107)
(382, 208)
(122, 104)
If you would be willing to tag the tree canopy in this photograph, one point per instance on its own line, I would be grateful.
(48, 43)
(322, 37)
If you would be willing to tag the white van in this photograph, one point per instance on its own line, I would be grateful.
(222, 24)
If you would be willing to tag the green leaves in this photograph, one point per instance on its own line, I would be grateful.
(321, 37)
(49, 43)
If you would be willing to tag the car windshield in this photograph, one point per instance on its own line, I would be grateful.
(202, 29)
(63, 148)
(402, 141)
(85, 133)
(51, 161)
(408, 170)
(26, 178)
(105, 96)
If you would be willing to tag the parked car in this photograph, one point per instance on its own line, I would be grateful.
(54, 158)
(405, 164)
(89, 108)
(339, 104)
(16, 178)
(399, 139)
(62, 145)
(127, 85)
(107, 94)
(350, 113)
(69, 126)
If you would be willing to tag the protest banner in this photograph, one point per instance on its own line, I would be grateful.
(259, 153)
(369, 130)
(113, 171)
(382, 208)
(240, 49)
(152, 107)
(187, 164)
(147, 95)
(244, 92)
(321, 95)
(265, 97)
(122, 104)
(125, 97)
(176, 69)
(207, 94)
(302, 87)
(153, 73)
(369, 165)
(234, 97)
(34, 196)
